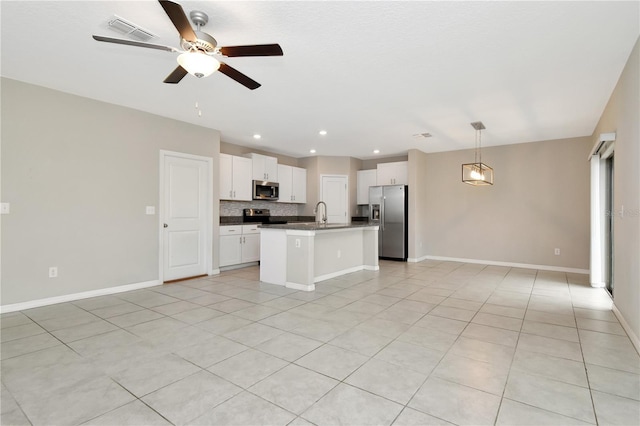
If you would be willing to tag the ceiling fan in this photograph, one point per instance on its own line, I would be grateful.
(199, 48)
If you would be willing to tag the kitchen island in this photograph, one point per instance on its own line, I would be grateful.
(298, 255)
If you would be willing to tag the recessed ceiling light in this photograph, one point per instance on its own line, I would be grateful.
(322, 132)
(313, 151)
(376, 151)
(257, 136)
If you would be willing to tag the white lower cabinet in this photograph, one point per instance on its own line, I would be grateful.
(250, 247)
(239, 244)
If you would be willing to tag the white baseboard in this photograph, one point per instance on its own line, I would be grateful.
(623, 322)
(237, 266)
(338, 273)
(214, 272)
(76, 296)
(297, 286)
(497, 263)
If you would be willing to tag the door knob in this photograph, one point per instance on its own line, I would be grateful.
(166, 226)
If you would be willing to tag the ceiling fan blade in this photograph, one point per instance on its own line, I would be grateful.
(252, 50)
(176, 75)
(238, 76)
(134, 43)
(179, 19)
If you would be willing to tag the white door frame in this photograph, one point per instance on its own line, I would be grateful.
(346, 192)
(603, 148)
(209, 210)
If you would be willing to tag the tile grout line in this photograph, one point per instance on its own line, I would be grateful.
(506, 382)
(404, 277)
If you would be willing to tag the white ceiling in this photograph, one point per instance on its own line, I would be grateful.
(372, 74)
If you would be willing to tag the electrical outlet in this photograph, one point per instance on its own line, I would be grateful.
(150, 210)
(297, 242)
(339, 254)
(5, 208)
(53, 272)
(556, 252)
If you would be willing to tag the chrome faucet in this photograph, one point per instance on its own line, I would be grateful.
(324, 214)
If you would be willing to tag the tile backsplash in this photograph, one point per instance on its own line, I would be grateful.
(234, 208)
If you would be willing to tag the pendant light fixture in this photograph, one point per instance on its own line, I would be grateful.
(477, 173)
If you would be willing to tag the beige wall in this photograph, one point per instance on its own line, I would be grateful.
(373, 163)
(539, 202)
(419, 202)
(329, 165)
(622, 116)
(78, 174)
(313, 187)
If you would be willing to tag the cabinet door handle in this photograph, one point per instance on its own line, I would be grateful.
(234, 194)
(230, 194)
(244, 240)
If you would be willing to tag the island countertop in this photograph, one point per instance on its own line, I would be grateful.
(315, 226)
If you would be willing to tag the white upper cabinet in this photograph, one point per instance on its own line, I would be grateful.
(293, 184)
(235, 178)
(264, 168)
(366, 178)
(285, 184)
(299, 186)
(396, 173)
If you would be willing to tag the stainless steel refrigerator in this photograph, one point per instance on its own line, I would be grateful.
(388, 208)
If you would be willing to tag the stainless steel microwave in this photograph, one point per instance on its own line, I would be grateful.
(263, 190)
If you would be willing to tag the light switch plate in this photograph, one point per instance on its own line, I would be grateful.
(151, 210)
(5, 208)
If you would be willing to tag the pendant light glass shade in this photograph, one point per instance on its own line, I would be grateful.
(198, 64)
(477, 173)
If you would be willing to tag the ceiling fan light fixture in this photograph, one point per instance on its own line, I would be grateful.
(198, 64)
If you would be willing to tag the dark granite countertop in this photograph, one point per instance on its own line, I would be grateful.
(238, 220)
(316, 226)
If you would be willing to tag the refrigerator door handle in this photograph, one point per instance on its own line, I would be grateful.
(382, 214)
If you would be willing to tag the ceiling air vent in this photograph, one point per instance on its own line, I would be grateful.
(130, 29)
(422, 135)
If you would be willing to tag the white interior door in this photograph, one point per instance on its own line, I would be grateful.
(186, 216)
(333, 190)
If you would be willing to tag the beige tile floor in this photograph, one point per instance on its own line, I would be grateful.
(413, 344)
